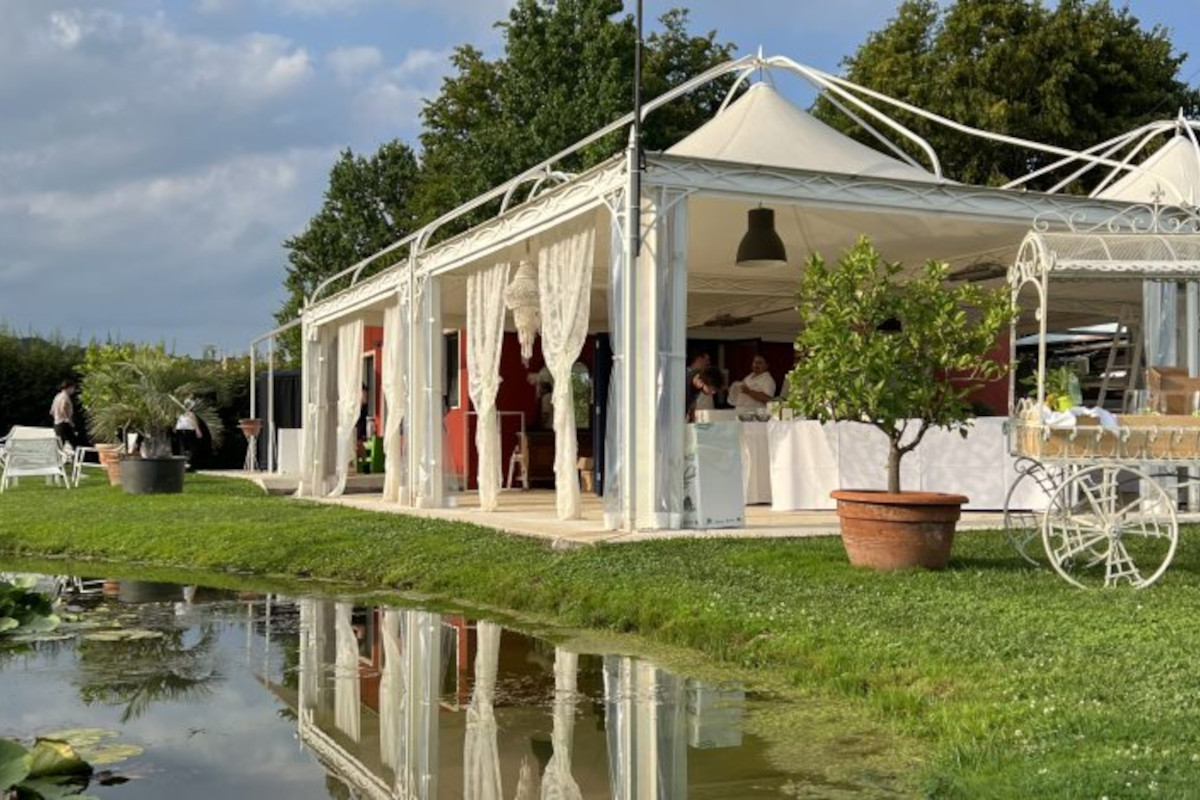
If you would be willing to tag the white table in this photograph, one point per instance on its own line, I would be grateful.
(756, 462)
(809, 460)
(287, 451)
(712, 469)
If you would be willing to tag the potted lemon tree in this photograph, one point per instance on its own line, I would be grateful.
(900, 352)
(144, 393)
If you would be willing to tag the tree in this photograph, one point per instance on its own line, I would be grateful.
(1073, 75)
(901, 353)
(567, 70)
(367, 206)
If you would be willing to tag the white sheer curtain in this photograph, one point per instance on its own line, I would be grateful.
(481, 756)
(313, 453)
(558, 783)
(395, 380)
(565, 282)
(347, 708)
(391, 689)
(485, 337)
(349, 387)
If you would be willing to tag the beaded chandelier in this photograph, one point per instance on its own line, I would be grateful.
(524, 300)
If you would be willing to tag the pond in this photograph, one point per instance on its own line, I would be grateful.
(261, 695)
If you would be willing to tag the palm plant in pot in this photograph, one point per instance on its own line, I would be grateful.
(145, 393)
(902, 353)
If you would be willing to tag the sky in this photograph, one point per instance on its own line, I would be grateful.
(155, 154)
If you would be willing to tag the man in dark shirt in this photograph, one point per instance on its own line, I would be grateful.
(704, 383)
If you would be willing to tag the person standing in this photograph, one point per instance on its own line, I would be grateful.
(698, 401)
(756, 389)
(62, 411)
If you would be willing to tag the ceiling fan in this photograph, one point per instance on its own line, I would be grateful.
(726, 320)
(978, 272)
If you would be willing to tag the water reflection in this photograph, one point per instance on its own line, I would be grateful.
(386, 702)
(413, 704)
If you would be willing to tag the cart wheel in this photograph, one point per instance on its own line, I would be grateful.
(1023, 527)
(1098, 535)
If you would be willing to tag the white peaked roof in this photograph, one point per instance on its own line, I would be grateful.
(1174, 170)
(763, 128)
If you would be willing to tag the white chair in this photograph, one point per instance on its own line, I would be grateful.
(32, 457)
(79, 462)
(519, 460)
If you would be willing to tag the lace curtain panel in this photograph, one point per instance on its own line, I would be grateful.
(315, 455)
(349, 392)
(485, 336)
(395, 342)
(565, 281)
(481, 755)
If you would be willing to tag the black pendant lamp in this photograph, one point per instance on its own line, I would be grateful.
(761, 246)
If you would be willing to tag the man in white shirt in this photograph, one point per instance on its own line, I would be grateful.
(753, 391)
(62, 410)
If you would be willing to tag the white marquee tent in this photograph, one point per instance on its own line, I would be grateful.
(760, 150)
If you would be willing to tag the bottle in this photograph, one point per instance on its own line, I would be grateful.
(1074, 390)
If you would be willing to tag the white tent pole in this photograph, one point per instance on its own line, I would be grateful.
(1116, 142)
(253, 388)
(411, 421)
(1193, 365)
(271, 404)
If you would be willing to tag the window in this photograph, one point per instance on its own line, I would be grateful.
(452, 368)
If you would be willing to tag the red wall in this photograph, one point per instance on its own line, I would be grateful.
(515, 394)
(373, 343)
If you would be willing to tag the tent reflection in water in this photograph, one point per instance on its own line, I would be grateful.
(760, 150)
(542, 720)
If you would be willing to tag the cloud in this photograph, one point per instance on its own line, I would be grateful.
(351, 63)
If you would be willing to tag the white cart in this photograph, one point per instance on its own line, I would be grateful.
(1113, 491)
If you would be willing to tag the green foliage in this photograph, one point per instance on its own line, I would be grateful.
(59, 764)
(25, 611)
(144, 390)
(493, 119)
(367, 206)
(31, 369)
(1073, 74)
(851, 369)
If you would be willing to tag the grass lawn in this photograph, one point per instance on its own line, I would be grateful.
(1013, 683)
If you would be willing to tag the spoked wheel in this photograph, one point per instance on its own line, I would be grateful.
(1098, 534)
(1023, 526)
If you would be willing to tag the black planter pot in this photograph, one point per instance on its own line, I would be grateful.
(153, 475)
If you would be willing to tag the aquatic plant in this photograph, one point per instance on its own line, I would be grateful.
(23, 610)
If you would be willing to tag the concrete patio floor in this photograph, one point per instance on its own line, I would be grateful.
(531, 513)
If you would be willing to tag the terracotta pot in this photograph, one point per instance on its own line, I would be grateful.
(250, 427)
(896, 531)
(110, 457)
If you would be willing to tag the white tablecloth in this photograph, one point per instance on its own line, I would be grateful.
(809, 460)
(756, 462)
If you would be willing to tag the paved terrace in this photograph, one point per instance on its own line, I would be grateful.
(531, 513)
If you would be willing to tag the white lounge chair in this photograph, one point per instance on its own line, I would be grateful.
(30, 453)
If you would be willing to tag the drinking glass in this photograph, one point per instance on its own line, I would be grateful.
(1193, 403)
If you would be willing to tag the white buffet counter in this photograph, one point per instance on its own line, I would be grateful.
(808, 460)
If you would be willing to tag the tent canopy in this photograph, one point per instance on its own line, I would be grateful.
(764, 129)
(1173, 170)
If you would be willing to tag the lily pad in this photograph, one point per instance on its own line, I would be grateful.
(93, 745)
(53, 757)
(127, 635)
(15, 762)
(7, 624)
(32, 638)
